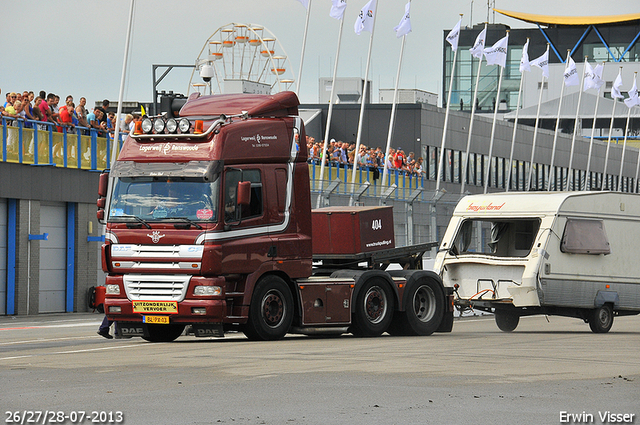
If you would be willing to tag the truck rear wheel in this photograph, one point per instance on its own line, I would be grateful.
(374, 308)
(507, 322)
(601, 319)
(271, 310)
(424, 310)
(163, 333)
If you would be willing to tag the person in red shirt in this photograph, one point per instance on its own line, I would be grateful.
(399, 160)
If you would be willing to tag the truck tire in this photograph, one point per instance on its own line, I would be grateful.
(374, 308)
(507, 322)
(271, 310)
(163, 333)
(424, 310)
(601, 319)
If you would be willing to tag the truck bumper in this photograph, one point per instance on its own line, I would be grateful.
(214, 311)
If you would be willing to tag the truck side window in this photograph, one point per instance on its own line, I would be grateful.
(585, 236)
(255, 208)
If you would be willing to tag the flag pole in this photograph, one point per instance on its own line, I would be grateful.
(493, 126)
(575, 128)
(465, 166)
(555, 133)
(362, 104)
(323, 157)
(513, 138)
(393, 113)
(606, 156)
(624, 145)
(116, 136)
(587, 186)
(304, 45)
(446, 119)
(535, 130)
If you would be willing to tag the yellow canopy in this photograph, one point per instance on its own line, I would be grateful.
(570, 20)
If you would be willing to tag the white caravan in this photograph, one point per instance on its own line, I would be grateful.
(574, 254)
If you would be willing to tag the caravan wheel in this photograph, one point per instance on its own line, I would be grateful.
(507, 322)
(601, 319)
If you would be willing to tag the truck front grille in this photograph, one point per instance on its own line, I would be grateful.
(156, 287)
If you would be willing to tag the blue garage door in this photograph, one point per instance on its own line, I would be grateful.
(53, 220)
(3, 256)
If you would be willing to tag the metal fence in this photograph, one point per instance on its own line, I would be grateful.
(44, 143)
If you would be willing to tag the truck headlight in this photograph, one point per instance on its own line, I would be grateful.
(207, 290)
(112, 289)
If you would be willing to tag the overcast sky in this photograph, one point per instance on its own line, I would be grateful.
(76, 46)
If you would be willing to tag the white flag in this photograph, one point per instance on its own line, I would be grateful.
(615, 90)
(365, 19)
(597, 76)
(524, 60)
(571, 74)
(454, 36)
(588, 76)
(593, 77)
(542, 62)
(404, 27)
(305, 3)
(478, 45)
(633, 99)
(497, 54)
(337, 9)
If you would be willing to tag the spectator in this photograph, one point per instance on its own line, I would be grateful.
(28, 108)
(418, 170)
(11, 98)
(81, 112)
(103, 109)
(66, 116)
(399, 160)
(127, 123)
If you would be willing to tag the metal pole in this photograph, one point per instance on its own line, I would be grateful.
(575, 127)
(362, 103)
(555, 134)
(593, 131)
(323, 156)
(385, 171)
(304, 44)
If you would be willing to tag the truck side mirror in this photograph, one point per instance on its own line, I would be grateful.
(244, 193)
(103, 184)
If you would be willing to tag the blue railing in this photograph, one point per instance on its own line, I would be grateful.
(39, 143)
(405, 181)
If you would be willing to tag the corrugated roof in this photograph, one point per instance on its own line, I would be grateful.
(570, 20)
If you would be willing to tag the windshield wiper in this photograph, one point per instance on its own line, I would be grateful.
(186, 220)
(137, 218)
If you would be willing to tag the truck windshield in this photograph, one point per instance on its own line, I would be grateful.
(164, 198)
(499, 237)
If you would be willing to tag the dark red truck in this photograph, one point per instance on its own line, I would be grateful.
(209, 225)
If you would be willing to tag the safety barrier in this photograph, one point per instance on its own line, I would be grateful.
(39, 143)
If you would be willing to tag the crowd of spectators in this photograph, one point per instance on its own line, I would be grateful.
(344, 154)
(44, 111)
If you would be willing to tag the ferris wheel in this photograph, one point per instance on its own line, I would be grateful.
(241, 58)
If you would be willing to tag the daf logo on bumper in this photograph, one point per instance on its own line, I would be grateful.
(155, 236)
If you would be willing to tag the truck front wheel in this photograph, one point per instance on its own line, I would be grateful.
(601, 319)
(373, 310)
(163, 333)
(507, 322)
(271, 310)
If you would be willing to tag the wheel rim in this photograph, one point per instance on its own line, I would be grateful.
(424, 303)
(273, 308)
(604, 317)
(375, 304)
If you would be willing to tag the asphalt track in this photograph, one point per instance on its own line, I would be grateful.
(541, 373)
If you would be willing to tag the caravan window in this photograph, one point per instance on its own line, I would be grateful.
(499, 237)
(585, 236)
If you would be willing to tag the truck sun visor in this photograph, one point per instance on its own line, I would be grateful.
(207, 170)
